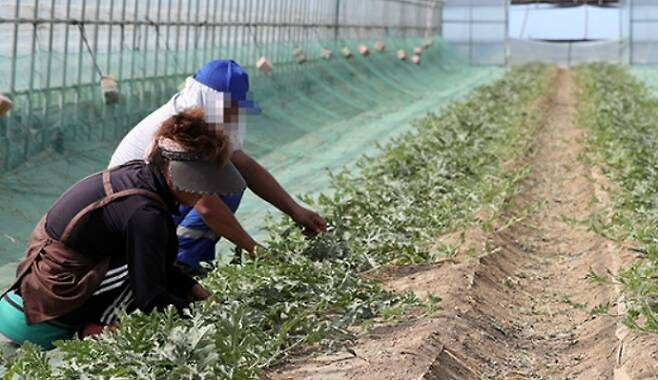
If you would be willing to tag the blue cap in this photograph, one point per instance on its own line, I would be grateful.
(227, 76)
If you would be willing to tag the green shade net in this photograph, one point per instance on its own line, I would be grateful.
(320, 115)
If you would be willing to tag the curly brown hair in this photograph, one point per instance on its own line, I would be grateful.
(189, 129)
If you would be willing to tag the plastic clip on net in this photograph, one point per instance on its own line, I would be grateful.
(327, 54)
(415, 59)
(5, 105)
(264, 66)
(300, 57)
(363, 50)
(346, 52)
(109, 90)
(402, 54)
(428, 42)
(380, 47)
(418, 50)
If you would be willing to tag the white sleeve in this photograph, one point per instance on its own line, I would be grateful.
(236, 135)
(135, 145)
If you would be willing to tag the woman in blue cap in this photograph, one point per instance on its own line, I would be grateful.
(221, 88)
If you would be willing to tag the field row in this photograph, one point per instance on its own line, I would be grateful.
(621, 114)
(304, 292)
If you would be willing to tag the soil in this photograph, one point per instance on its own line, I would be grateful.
(521, 309)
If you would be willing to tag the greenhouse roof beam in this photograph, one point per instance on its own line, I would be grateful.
(566, 2)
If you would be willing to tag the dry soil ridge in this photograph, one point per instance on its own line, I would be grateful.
(522, 311)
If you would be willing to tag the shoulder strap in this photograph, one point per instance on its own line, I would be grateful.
(107, 185)
(110, 197)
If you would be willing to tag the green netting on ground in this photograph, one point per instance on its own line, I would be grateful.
(647, 74)
(321, 116)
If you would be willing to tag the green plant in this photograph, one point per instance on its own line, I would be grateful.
(621, 115)
(303, 292)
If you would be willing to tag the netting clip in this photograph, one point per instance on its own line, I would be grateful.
(5, 105)
(346, 52)
(428, 42)
(327, 54)
(264, 66)
(109, 89)
(300, 57)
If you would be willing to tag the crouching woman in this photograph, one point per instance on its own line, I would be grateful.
(109, 242)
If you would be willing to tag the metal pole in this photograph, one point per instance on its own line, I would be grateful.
(284, 33)
(132, 62)
(156, 60)
(33, 51)
(337, 21)
(206, 29)
(213, 33)
(122, 37)
(62, 94)
(78, 87)
(508, 52)
(167, 35)
(586, 18)
(237, 13)
(95, 94)
(12, 85)
(178, 35)
(470, 32)
(187, 35)
(621, 35)
(259, 32)
(145, 47)
(306, 29)
(14, 49)
(223, 32)
(95, 47)
(195, 63)
(631, 25)
(246, 31)
(229, 33)
(46, 105)
(297, 36)
(109, 38)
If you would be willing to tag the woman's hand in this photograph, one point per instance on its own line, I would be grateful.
(198, 293)
(311, 222)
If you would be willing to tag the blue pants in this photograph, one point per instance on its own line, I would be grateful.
(196, 241)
